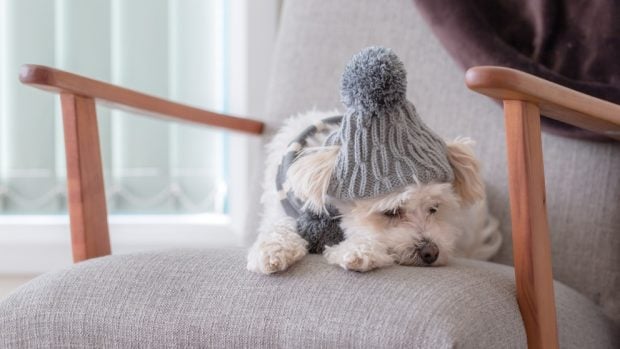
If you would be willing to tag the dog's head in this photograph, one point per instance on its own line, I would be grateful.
(417, 223)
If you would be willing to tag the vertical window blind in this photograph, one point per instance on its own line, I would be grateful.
(174, 49)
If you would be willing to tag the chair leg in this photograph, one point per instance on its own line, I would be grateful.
(86, 193)
(530, 231)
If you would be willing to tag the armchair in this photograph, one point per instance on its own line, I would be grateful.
(206, 298)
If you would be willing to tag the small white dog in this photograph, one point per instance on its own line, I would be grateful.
(439, 213)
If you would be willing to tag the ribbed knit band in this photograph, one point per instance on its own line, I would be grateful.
(391, 151)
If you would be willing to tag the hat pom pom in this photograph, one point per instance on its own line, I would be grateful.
(375, 80)
(319, 230)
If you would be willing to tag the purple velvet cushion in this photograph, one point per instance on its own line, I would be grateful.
(573, 43)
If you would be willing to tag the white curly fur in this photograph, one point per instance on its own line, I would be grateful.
(461, 225)
(277, 249)
(467, 181)
(310, 174)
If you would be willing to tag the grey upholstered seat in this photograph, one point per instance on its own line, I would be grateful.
(206, 298)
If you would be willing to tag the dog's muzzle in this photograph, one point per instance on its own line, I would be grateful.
(428, 251)
(423, 253)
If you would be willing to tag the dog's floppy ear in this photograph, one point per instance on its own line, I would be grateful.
(309, 176)
(467, 183)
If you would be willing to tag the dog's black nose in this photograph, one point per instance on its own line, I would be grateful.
(429, 252)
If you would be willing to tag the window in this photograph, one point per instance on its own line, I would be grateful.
(180, 176)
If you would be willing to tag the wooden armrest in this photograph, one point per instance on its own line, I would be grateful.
(55, 80)
(86, 195)
(525, 98)
(553, 100)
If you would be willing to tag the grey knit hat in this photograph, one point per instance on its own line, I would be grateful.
(384, 143)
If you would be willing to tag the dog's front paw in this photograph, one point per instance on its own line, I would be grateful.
(358, 256)
(276, 253)
(357, 261)
(270, 260)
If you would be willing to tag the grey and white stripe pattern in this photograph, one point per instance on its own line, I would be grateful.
(382, 153)
(291, 204)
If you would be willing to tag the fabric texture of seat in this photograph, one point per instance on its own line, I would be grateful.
(318, 37)
(206, 298)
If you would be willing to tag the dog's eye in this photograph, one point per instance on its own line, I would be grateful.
(433, 209)
(393, 213)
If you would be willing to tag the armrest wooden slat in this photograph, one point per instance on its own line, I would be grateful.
(122, 98)
(554, 101)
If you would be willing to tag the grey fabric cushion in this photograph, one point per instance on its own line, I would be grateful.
(318, 37)
(192, 298)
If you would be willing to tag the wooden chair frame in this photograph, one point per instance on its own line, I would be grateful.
(524, 96)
